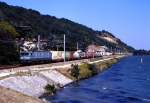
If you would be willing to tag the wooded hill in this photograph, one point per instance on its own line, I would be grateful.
(54, 28)
(29, 23)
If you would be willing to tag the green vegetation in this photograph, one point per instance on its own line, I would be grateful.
(17, 21)
(50, 89)
(105, 64)
(30, 23)
(8, 50)
(8, 54)
(7, 31)
(75, 71)
(86, 70)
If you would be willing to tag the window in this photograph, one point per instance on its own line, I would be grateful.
(24, 54)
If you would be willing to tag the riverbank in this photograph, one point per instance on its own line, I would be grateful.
(125, 82)
(11, 96)
(88, 69)
(32, 80)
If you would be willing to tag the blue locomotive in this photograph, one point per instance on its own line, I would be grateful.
(35, 56)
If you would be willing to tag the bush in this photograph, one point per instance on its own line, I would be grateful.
(93, 69)
(50, 89)
(75, 71)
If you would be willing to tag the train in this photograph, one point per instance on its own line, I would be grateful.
(56, 56)
(35, 56)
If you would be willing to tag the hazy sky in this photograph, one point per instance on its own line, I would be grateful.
(129, 20)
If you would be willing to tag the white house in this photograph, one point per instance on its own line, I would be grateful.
(98, 50)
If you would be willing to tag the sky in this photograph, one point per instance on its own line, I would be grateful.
(129, 20)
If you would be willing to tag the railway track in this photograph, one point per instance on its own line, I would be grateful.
(3, 67)
(19, 67)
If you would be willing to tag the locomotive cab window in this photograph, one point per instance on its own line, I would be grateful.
(24, 54)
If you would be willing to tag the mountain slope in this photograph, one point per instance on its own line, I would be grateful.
(53, 28)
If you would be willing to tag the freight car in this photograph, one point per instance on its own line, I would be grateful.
(55, 56)
(59, 55)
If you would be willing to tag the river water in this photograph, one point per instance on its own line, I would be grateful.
(128, 81)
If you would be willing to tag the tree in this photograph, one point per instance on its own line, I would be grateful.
(8, 51)
(49, 26)
(7, 31)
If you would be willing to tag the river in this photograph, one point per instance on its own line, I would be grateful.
(128, 81)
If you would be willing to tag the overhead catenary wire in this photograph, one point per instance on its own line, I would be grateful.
(7, 41)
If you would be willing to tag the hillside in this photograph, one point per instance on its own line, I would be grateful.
(53, 28)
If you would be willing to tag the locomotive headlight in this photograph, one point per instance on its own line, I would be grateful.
(25, 58)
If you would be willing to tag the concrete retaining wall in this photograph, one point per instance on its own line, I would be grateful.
(41, 75)
(34, 85)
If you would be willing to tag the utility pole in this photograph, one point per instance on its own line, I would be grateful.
(38, 44)
(57, 47)
(64, 47)
(93, 53)
(77, 46)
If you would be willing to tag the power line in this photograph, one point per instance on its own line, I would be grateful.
(7, 41)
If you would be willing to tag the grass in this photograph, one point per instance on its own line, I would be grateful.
(84, 71)
(105, 64)
(87, 70)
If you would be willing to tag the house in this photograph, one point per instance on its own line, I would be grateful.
(98, 50)
(91, 48)
(102, 50)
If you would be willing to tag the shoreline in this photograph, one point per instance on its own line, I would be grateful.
(25, 81)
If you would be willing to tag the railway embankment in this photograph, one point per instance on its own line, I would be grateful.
(11, 96)
(32, 80)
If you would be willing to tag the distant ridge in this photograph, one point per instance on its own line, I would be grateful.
(52, 28)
